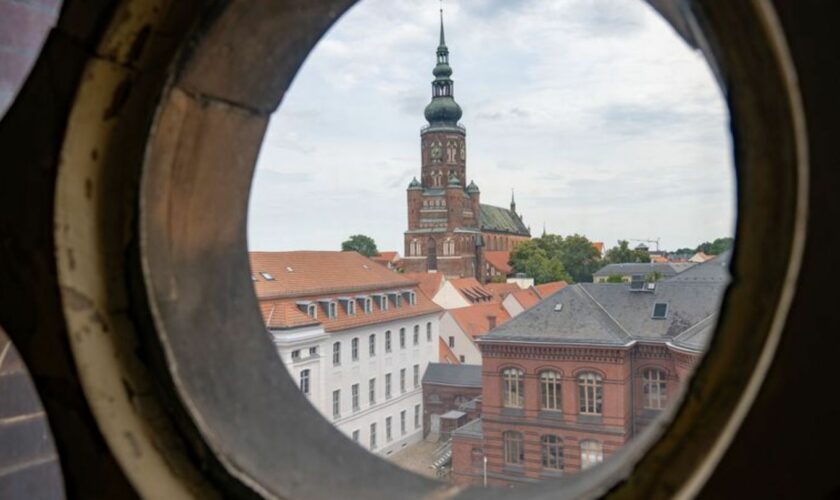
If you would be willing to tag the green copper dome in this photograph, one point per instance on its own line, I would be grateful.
(473, 187)
(443, 110)
(454, 181)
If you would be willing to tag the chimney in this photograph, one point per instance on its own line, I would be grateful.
(492, 320)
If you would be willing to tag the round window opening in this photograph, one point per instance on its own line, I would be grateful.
(217, 342)
(428, 319)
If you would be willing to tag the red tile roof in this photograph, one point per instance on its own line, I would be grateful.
(446, 354)
(599, 245)
(527, 297)
(499, 259)
(501, 290)
(303, 273)
(472, 290)
(385, 258)
(429, 283)
(474, 320)
(547, 289)
(320, 277)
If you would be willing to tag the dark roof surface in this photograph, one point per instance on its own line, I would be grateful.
(611, 314)
(716, 269)
(457, 375)
(501, 220)
(667, 269)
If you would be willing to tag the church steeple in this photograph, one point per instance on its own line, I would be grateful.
(443, 110)
(512, 202)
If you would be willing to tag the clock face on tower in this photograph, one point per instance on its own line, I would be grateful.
(436, 151)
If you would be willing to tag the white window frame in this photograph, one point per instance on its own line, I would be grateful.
(591, 453)
(654, 388)
(304, 381)
(354, 397)
(336, 404)
(336, 355)
(551, 393)
(590, 393)
(513, 388)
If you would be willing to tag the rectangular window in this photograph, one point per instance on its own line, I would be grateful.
(368, 305)
(402, 422)
(356, 436)
(550, 391)
(332, 310)
(654, 389)
(514, 452)
(660, 311)
(296, 355)
(513, 388)
(372, 391)
(416, 334)
(429, 331)
(313, 351)
(416, 376)
(402, 380)
(372, 345)
(354, 349)
(402, 338)
(336, 353)
(351, 308)
(398, 300)
(354, 392)
(451, 341)
(312, 311)
(388, 436)
(388, 341)
(336, 403)
(462, 358)
(304, 382)
(590, 395)
(387, 386)
(416, 416)
(373, 436)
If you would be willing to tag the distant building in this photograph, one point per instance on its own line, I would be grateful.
(355, 336)
(700, 257)
(628, 271)
(447, 389)
(461, 327)
(568, 382)
(390, 259)
(448, 227)
(497, 265)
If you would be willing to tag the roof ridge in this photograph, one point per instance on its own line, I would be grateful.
(604, 310)
(694, 328)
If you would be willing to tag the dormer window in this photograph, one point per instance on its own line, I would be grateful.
(332, 310)
(367, 304)
(267, 276)
(382, 300)
(351, 308)
(312, 311)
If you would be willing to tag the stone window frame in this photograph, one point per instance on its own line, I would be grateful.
(590, 385)
(551, 388)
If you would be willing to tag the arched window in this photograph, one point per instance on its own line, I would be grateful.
(449, 247)
(513, 388)
(514, 448)
(591, 453)
(552, 452)
(354, 349)
(590, 393)
(415, 248)
(654, 388)
(550, 399)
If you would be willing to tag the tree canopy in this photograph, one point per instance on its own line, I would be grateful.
(622, 253)
(553, 258)
(716, 247)
(362, 244)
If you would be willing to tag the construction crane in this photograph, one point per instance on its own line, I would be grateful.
(655, 242)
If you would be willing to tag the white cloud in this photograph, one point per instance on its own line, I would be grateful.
(599, 116)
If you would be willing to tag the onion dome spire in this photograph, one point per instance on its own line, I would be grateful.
(443, 110)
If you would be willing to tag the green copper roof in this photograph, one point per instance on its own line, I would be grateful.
(443, 110)
(501, 220)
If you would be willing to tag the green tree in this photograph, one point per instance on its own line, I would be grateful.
(716, 247)
(653, 277)
(579, 257)
(530, 258)
(615, 278)
(622, 254)
(362, 244)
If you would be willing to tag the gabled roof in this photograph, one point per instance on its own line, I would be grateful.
(715, 269)
(499, 259)
(527, 297)
(474, 320)
(599, 246)
(454, 375)
(386, 258)
(303, 273)
(429, 283)
(666, 269)
(501, 290)
(501, 220)
(284, 315)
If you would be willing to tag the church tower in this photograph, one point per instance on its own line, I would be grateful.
(448, 227)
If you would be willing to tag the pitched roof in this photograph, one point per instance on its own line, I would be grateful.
(499, 259)
(302, 273)
(547, 289)
(446, 353)
(666, 269)
(598, 245)
(472, 290)
(715, 269)
(385, 258)
(501, 220)
(474, 320)
(283, 315)
(611, 314)
(455, 375)
(429, 283)
(527, 297)
(501, 290)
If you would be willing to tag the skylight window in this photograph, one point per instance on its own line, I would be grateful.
(558, 307)
(660, 310)
(267, 276)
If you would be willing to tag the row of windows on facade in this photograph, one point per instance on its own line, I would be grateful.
(354, 344)
(415, 247)
(389, 435)
(355, 404)
(551, 451)
(590, 390)
(383, 301)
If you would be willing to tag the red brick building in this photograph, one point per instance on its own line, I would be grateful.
(448, 227)
(449, 388)
(568, 382)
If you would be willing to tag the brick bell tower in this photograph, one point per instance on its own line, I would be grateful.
(443, 212)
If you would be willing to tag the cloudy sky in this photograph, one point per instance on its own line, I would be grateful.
(603, 121)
